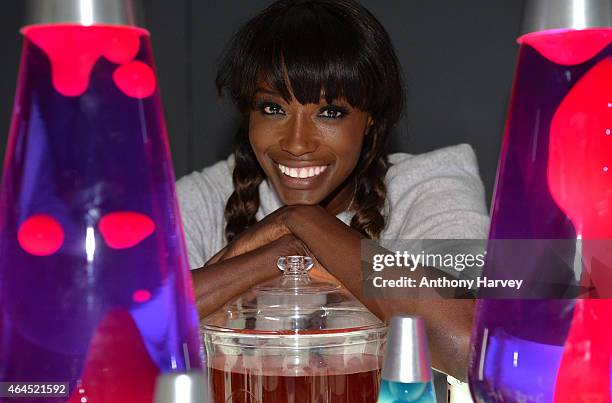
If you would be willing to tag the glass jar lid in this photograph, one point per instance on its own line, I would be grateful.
(294, 304)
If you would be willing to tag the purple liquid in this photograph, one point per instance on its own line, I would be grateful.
(517, 345)
(79, 159)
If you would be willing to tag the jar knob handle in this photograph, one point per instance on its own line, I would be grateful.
(295, 264)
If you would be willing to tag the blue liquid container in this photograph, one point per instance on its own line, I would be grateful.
(406, 375)
(397, 392)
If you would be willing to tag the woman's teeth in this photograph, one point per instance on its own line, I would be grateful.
(303, 172)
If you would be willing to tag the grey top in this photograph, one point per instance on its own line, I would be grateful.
(435, 195)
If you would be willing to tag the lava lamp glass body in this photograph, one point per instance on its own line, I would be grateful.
(553, 188)
(94, 283)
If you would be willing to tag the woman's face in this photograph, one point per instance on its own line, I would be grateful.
(307, 151)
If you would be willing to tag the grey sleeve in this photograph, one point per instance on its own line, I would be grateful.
(443, 196)
(201, 207)
(439, 195)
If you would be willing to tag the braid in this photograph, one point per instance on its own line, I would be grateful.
(370, 194)
(243, 204)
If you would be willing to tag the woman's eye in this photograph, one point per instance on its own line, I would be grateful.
(333, 113)
(271, 109)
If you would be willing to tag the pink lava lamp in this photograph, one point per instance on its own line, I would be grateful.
(553, 196)
(95, 290)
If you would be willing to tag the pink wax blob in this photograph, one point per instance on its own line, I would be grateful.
(125, 229)
(135, 79)
(41, 235)
(141, 296)
(568, 47)
(580, 158)
(116, 353)
(74, 49)
(580, 153)
(584, 370)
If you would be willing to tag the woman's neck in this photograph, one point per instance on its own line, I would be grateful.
(342, 199)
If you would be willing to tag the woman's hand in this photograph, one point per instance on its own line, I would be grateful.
(219, 282)
(304, 221)
(263, 232)
(321, 232)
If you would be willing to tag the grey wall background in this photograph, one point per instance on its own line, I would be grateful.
(458, 58)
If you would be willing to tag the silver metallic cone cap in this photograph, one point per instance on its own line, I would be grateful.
(542, 15)
(406, 354)
(85, 12)
(182, 388)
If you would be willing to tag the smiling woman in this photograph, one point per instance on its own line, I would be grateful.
(308, 152)
(319, 88)
(314, 80)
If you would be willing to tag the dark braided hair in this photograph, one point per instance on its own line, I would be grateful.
(243, 203)
(334, 47)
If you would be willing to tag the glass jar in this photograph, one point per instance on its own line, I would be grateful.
(294, 339)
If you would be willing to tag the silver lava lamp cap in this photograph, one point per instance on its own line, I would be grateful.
(543, 15)
(182, 388)
(406, 354)
(85, 12)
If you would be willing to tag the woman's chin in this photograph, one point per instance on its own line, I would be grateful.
(292, 202)
(296, 199)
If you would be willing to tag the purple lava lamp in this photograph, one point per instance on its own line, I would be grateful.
(95, 290)
(553, 197)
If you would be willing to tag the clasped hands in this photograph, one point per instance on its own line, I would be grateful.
(293, 230)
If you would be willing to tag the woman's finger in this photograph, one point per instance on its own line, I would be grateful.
(218, 257)
(266, 231)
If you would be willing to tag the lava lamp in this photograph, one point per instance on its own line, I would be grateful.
(95, 291)
(553, 196)
(406, 375)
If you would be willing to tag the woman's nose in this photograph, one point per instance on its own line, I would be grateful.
(300, 137)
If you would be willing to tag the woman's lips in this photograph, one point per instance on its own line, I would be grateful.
(305, 175)
(302, 172)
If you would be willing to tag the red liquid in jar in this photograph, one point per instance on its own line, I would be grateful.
(356, 382)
